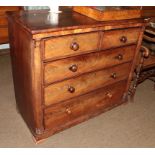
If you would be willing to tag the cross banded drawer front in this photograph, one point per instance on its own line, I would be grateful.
(83, 106)
(70, 45)
(71, 88)
(67, 68)
(116, 38)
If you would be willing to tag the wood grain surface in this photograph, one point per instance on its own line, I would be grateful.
(62, 46)
(113, 38)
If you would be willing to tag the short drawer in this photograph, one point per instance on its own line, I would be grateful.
(3, 35)
(74, 66)
(116, 38)
(73, 110)
(70, 45)
(85, 83)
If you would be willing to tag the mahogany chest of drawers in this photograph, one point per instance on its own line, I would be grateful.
(67, 73)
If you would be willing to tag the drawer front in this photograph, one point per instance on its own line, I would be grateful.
(70, 45)
(116, 38)
(88, 82)
(3, 35)
(67, 68)
(86, 105)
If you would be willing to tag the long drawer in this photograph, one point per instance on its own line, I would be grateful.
(84, 106)
(74, 66)
(87, 82)
(70, 45)
(116, 38)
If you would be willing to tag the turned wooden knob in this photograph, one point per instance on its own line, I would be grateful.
(119, 57)
(123, 39)
(74, 46)
(113, 75)
(109, 95)
(71, 89)
(68, 111)
(73, 68)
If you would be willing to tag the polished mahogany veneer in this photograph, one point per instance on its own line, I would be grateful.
(68, 72)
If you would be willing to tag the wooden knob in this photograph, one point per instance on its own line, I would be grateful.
(113, 75)
(68, 111)
(71, 89)
(74, 46)
(123, 39)
(73, 68)
(109, 95)
(119, 57)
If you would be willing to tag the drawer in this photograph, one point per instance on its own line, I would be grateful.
(4, 35)
(73, 110)
(116, 38)
(70, 45)
(88, 82)
(74, 66)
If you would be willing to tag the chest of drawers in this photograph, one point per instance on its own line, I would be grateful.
(71, 72)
